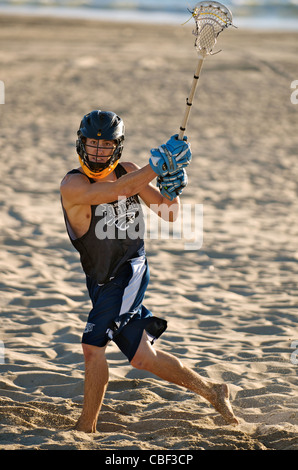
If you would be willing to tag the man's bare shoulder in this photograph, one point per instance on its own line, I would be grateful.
(72, 187)
(71, 179)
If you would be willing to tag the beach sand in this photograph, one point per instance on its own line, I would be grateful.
(231, 305)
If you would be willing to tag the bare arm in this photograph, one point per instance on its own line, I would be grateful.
(77, 190)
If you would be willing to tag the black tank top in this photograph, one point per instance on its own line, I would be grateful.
(115, 235)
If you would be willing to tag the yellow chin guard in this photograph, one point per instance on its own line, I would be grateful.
(101, 174)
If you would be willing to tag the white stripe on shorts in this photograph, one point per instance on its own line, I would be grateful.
(130, 292)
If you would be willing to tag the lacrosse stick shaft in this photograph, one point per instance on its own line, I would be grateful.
(190, 98)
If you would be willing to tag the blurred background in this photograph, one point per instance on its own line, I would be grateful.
(265, 14)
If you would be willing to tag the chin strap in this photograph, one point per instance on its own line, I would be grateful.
(101, 174)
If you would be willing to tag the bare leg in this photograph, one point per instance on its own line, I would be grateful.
(168, 367)
(96, 381)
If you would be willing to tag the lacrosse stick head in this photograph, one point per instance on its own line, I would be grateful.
(211, 18)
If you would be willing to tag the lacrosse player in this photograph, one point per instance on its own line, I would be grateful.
(103, 215)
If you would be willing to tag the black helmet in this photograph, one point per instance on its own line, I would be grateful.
(100, 125)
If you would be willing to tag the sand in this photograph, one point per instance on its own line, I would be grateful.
(231, 305)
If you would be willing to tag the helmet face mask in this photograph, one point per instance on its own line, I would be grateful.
(100, 126)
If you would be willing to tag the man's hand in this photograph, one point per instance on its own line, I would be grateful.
(172, 185)
(171, 157)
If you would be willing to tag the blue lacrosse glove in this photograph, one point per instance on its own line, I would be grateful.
(172, 156)
(172, 185)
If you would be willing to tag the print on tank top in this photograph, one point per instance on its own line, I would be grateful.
(120, 219)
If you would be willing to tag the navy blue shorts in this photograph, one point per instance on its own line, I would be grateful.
(118, 313)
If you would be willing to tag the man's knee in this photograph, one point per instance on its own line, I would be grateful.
(138, 362)
(144, 356)
(93, 352)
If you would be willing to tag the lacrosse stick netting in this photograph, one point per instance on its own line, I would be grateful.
(211, 18)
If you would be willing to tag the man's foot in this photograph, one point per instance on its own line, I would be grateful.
(85, 427)
(221, 403)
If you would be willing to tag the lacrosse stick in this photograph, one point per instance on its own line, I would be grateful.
(211, 19)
